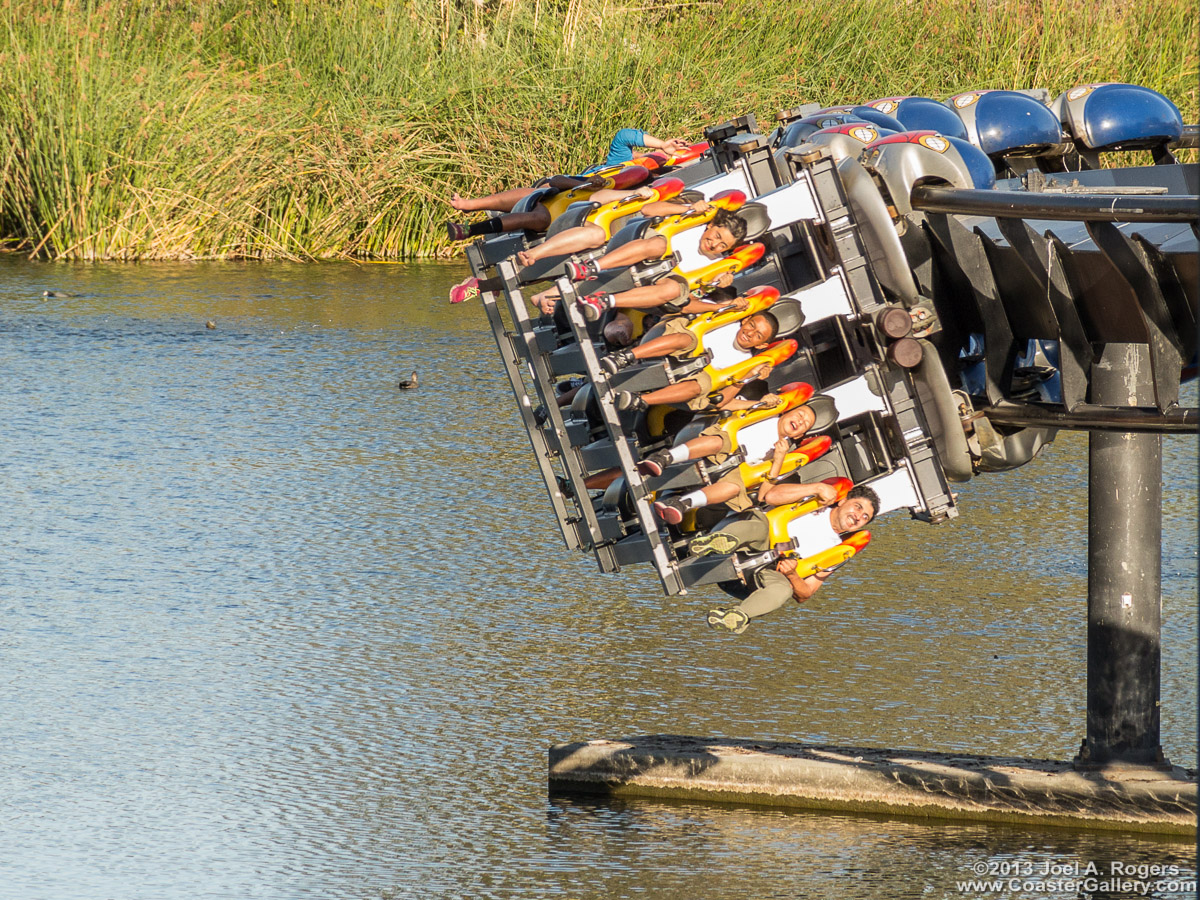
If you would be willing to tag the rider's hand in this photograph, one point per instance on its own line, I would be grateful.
(826, 494)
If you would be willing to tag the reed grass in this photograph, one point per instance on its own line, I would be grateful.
(220, 129)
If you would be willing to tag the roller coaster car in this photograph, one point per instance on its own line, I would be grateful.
(715, 332)
(847, 140)
(762, 441)
(867, 114)
(1104, 117)
(1007, 124)
(801, 130)
(615, 213)
(922, 114)
(902, 424)
(625, 178)
(903, 161)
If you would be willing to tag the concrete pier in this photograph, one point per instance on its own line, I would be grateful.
(939, 786)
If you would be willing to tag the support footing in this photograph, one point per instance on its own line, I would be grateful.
(936, 786)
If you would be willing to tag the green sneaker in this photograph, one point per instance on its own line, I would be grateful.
(733, 619)
(717, 542)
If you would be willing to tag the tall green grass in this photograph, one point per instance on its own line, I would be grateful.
(181, 128)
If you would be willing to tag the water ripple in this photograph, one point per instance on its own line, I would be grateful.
(274, 629)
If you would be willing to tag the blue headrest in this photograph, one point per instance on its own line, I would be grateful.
(983, 173)
(797, 132)
(1119, 117)
(875, 117)
(923, 114)
(870, 114)
(1008, 123)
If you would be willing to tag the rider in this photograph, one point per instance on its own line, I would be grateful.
(811, 533)
(773, 439)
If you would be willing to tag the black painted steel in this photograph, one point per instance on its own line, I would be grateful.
(1097, 207)
(1089, 417)
(1124, 572)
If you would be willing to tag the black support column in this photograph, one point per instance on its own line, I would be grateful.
(1124, 572)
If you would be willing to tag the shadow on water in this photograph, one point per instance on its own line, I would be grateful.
(273, 628)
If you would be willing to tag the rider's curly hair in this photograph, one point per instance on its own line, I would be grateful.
(731, 220)
(866, 493)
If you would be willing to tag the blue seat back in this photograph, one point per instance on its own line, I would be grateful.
(1118, 117)
(1007, 123)
(923, 114)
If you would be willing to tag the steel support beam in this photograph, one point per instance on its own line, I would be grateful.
(1068, 207)
(1124, 572)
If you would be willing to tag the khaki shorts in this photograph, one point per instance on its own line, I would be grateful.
(681, 298)
(741, 502)
(701, 403)
(726, 443)
(679, 325)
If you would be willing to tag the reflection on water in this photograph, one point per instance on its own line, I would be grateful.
(849, 857)
(272, 628)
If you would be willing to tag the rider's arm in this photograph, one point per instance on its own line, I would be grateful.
(802, 588)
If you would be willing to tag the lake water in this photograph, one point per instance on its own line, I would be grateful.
(272, 628)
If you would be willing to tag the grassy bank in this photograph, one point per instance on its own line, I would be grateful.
(180, 128)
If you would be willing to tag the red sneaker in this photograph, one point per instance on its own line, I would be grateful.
(669, 510)
(593, 306)
(654, 464)
(580, 271)
(467, 290)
